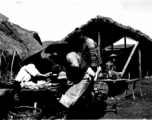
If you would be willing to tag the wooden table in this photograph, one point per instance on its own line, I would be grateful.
(44, 96)
(132, 83)
(125, 83)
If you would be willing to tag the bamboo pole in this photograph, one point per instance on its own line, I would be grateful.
(4, 57)
(14, 53)
(131, 54)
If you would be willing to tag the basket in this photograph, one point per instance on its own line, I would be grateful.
(101, 87)
(24, 113)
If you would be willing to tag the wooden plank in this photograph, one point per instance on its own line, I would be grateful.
(132, 80)
(131, 54)
(127, 80)
(109, 80)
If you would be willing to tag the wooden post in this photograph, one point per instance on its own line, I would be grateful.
(131, 54)
(99, 45)
(140, 71)
(147, 74)
(133, 93)
(112, 47)
(99, 57)
(35, 106)
(140, 68)
(18, 56)
(125, 42)
(128, 75)
(1, 65)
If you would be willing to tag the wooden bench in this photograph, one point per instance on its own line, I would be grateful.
(130, 83)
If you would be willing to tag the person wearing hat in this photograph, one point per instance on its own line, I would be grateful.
(111, 68)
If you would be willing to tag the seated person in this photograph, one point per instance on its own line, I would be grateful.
(110, 71)
(38, 67)
(60, 74)
(29, 72)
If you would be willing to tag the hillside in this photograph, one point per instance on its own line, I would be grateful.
(47, 43)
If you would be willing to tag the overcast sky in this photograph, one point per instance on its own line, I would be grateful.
(54, 19)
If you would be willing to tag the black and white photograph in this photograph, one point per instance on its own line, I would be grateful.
(75, 59)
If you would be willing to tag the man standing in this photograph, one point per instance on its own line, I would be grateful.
(85, 46)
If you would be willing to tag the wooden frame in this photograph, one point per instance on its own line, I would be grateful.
(131, 82)
(130, 57)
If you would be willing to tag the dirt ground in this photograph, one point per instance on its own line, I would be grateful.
(140, 108)
(134, 109)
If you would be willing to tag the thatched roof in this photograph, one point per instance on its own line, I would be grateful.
(14, 37)
(110, 32)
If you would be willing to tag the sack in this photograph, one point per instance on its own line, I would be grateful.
(74, 93)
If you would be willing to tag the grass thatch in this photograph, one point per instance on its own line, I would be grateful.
(110, 32)
(14, 37)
